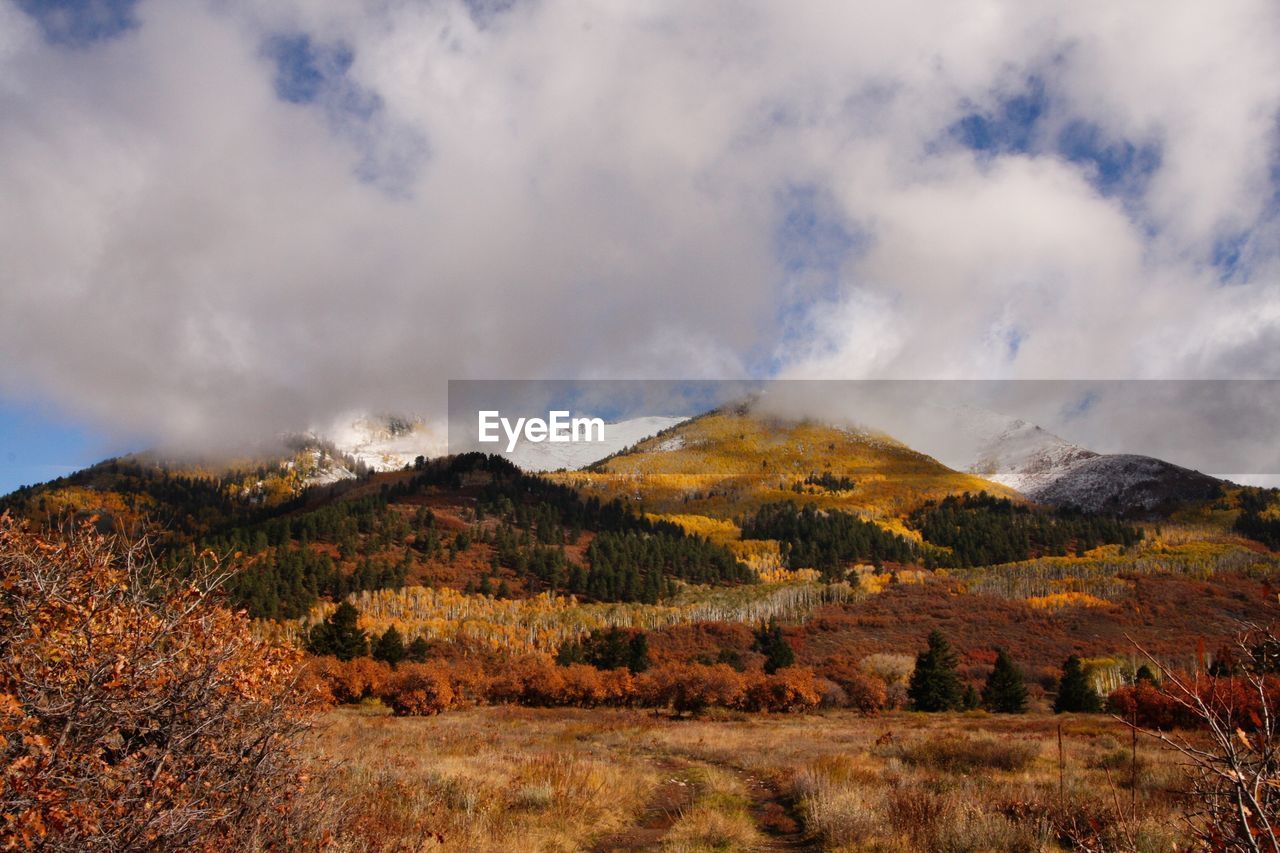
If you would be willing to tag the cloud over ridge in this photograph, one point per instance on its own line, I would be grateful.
(224, 217)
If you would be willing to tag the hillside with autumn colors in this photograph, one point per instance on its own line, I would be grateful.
(730, 461)
(734, 564)
(844, 536)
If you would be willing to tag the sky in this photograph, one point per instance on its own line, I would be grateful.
(223, 218)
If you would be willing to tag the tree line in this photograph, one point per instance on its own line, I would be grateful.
(983, 530)
(826, 540)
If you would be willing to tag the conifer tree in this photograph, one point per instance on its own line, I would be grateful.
(389, 647)
(638, 652)
(775, 648)
(418, 651)
(339, 635)
(1074, 691)
(935, 685)
(1004, 692)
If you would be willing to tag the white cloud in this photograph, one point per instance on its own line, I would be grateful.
(568, 189)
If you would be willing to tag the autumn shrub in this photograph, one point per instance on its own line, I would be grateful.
(618, 687)
(418, 690)
(862, 690)
(137, 712)
(543, 682)
(511, 680)
(314, 684)
(793, 688)
(581, 686)
(468, 679)
(1154, 707)
(1149, 706)
(691, 688)
(348, 681)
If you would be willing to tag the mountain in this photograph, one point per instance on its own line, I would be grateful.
(1016, 453)
(1122, 482)
(385, 442)
(1049, 469)
(735, 459)
(548, 456)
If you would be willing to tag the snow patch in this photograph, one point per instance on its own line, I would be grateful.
(548, 456)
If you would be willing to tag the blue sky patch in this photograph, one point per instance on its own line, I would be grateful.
(1117, 167)
(304, 69)
(312, 73)
(1011, 128)
(1020, 124)
(1227, 254)
(79, 23)
(38, 444)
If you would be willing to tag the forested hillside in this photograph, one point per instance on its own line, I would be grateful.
(472, 522)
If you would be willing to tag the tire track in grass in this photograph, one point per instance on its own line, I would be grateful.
(773, 813)
(672, 797)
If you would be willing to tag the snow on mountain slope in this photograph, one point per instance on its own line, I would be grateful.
(1118, 482)
(995, 446)
(376, 442)
(1025, 457)
(548, 456)
(1049, 469)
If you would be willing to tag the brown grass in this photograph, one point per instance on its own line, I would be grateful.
(567, 779)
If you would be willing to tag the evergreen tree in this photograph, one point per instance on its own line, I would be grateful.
(389, 647)
(1144, 673)
(638, 652)
(418, 651)
(775, 648)
(1074, 691)
(935, 685)
(1004, 691)
(339, 635)
(569, 653)
(970, 700)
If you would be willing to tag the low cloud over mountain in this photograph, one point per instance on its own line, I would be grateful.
(229, 218)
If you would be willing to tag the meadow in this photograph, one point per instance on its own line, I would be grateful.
(507, 777)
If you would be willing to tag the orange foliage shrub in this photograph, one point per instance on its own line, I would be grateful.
(468, 679)
(350, 681)
(418, 689)
(511, 680)
(581, 685)
(791, 689)
(137, 713)
(691, 688)
(862, 690)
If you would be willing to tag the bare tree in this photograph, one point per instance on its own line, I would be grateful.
(1232, 752)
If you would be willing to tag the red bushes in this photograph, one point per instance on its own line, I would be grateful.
(1148, 706)
(692, 688)
(1234, 698)
(346, 682)
(424, 689)
(419, 689)
(136, 712)
(862, 690)
(787, 690)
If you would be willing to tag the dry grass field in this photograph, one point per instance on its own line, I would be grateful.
(511, 778)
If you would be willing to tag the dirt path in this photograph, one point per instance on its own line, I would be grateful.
(774, 815)
(669, 800)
